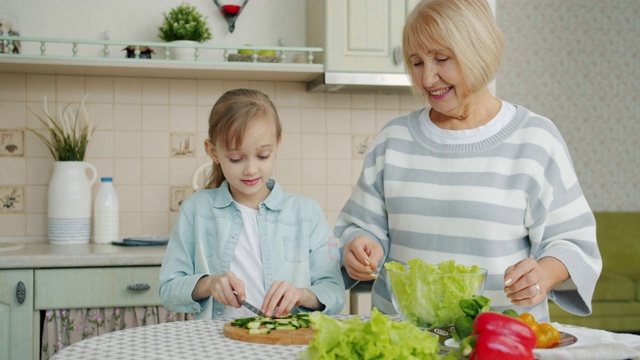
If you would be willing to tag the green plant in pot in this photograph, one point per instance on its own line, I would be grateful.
(184, 24)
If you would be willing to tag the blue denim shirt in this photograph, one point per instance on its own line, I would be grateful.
(296, 243)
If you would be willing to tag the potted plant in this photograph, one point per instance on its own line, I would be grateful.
(69, 193)
(184, 24)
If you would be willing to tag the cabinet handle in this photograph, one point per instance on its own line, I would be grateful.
(138, 288)
(397, 55)
(21, 292)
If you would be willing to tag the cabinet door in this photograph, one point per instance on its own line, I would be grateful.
(16, 314)
(365, 35)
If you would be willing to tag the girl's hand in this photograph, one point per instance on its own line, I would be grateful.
(362, 257)
(283, 296)
(221, 288)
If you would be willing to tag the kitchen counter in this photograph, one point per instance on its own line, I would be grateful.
(38, 256)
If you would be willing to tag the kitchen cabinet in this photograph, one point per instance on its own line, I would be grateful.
(16, 314)
(359, 35)
(65, 288)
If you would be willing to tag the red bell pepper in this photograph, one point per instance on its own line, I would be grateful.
(498, 336)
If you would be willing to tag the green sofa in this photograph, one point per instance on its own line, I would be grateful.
(616, 301)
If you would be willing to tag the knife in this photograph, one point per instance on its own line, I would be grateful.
(251, 308)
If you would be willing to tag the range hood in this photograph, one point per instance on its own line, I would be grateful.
(347, 82)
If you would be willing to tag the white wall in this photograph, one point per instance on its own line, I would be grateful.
(262, 22)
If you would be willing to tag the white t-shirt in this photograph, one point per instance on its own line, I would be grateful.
(247, 264)
(468, 136)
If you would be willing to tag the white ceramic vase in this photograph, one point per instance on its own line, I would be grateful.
(186, 53)
(69, 208)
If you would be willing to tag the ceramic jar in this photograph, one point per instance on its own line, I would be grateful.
(69, 208)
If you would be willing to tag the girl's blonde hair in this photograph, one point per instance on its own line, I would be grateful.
(467, 28)
(229, 118)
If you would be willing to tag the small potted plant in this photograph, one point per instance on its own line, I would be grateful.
(184, 24)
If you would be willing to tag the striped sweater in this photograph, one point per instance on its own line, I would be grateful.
(491, 203)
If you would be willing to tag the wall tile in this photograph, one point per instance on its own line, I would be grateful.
(39, 86)
(155, 224)
(363, 121)
(130, 224)
(105, 168)
(102, 116)
(127, 117)
(337, 196)
(69, 89)
(338, 121)
(267, 87)
(99, 89)
(37, 225)
(181, 171)
(363, 101)
(315, 192)
(36, 199)
(288, 94)
(155, 172)
(155, 199)
(39, 171)
(339, 172)
(129, 198)
(313, 121)
(338, 101)
(127, 144)
(208, 92)
(155, 118)
(128, 171)
(314, 172)
(383, 117)
(13, 87)
(314, 146)
(12, 115)
(387, 101)
(290, 118)
(182, 118)
(13, 224)
(155, 145)
(182, 92)
(288, 171)
(101, 145)
(338, 147)
(155, 91)
(127, 90)
(290, 147)
(313, 100)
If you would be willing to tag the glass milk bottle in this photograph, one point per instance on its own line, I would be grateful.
(106, 214)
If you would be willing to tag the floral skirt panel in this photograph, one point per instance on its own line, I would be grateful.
(62, 328)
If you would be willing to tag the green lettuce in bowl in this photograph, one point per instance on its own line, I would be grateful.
(428, 295)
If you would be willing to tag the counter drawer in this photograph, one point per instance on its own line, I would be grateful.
(96, 287)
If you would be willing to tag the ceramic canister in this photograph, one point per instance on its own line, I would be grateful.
(69, 208)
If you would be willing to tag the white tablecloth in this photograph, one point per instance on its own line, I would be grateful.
(204, 339)
(196, 339)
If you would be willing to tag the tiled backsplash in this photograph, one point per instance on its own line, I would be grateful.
(150, 140)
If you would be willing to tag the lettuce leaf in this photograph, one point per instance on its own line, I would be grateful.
(378, 338)
(432, 301)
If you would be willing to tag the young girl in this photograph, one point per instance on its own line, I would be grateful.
(243, 234)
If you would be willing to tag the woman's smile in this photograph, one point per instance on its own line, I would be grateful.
(440, 93)
(251, 182)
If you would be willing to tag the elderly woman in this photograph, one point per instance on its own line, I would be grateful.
(471, 178)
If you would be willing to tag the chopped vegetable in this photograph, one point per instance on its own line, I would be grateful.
(264, 325)
(499, 336)
(377, 338)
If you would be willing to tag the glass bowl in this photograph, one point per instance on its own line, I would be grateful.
(431, 301)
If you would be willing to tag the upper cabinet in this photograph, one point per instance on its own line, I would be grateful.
(359, 35)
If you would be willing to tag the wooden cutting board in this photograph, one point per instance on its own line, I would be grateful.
(276, 337)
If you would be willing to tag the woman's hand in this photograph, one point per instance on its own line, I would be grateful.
(283, 296)
(362, 257)
(527, 282)
(221, 288)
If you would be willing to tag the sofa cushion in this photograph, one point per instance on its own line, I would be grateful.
(618, 236)
(612, 287)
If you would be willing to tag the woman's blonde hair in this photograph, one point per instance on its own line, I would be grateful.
(467, 28)
(229, 118)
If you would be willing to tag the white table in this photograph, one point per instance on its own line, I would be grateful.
(204, 339)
